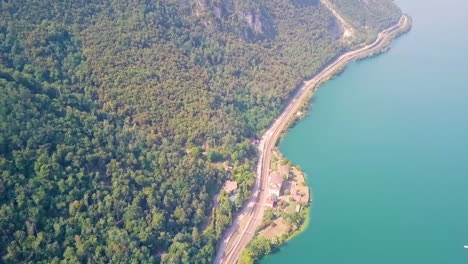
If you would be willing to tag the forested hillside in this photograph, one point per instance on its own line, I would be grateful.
(370, 16)
(121, 119)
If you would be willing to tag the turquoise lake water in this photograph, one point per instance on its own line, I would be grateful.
(385, 148)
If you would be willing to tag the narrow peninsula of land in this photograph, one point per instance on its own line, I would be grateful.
(254, 220)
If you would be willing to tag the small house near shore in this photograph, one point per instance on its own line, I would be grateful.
(276, 182)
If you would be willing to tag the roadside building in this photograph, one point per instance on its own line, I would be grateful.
(254, 142)
(276, 182)
(270, 203)
(230, 186)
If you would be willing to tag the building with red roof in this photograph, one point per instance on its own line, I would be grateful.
(230, 186)
(270, 203)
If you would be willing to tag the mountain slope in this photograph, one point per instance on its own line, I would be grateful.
(121, 119)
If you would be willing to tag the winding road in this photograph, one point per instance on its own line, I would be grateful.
(250, 217)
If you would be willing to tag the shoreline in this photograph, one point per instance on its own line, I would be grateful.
(250, 216)
(385, 47)
(303, 226)
(304, 108)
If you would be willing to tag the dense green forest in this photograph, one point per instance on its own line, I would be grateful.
(121, 119)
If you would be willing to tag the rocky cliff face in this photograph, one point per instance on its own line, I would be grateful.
(258, 24)
(250, 20)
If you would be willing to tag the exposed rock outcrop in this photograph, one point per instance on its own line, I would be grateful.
(259, 24)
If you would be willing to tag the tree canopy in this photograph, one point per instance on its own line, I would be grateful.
(117, 118)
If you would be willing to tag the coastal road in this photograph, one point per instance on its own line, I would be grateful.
(250, 217)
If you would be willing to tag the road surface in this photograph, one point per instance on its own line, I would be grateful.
(250, 217)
